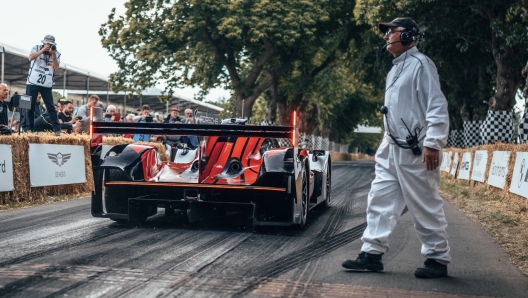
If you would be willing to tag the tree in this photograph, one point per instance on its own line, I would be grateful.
(488, 36)
(211, 43)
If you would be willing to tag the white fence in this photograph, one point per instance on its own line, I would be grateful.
(316, 143)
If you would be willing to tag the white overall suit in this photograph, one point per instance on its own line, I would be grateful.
(413, 93)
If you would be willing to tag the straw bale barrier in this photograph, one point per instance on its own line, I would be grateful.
(20, 148)
(512, 148)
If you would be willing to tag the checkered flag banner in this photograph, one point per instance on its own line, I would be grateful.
(523, 126)
(455, 139)
(498, 126)
(471, 135)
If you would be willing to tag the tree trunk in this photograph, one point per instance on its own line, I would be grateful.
(271, 105)
(498, 125)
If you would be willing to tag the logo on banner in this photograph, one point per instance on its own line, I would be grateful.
(59, 158)
(3, 167)
(465, 166)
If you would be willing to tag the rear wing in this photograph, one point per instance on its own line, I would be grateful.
(98, 128)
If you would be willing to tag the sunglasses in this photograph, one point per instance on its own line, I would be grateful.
(390, 32)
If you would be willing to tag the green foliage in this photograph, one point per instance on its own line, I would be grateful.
(366, 143)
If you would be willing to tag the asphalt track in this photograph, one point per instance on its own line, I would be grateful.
(60, 250)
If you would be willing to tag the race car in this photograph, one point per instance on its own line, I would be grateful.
(235, 168)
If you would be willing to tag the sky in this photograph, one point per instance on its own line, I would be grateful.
(75, 25)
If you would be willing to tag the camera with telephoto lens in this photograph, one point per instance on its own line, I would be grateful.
(53, 47)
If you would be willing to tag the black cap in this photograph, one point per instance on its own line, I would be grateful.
(406, 23)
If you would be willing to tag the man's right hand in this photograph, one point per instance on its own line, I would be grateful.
(45, 48)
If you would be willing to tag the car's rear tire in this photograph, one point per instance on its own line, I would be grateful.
(115, 197)
(328, 185)
(304, 202)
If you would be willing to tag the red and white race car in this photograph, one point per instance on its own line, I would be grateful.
(236, 167)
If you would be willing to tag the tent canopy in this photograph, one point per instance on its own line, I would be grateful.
(150, 97)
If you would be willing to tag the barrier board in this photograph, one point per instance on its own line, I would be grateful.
(519, 182)
(444, 160)
(465, 166)
(499, 168)
(479, 166)
(455, 164)
(6, 168)
(51, 164)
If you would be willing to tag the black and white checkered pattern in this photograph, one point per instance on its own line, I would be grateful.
(472, 133)
(455, 138)
(523, 126)
(498, 126)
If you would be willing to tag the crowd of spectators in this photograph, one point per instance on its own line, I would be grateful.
(77, 119)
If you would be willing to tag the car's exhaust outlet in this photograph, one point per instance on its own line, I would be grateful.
(235, 166)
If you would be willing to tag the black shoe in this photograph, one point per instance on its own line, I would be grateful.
(431, 269)
(365, 261)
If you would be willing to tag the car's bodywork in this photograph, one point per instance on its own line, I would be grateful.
(235, 168)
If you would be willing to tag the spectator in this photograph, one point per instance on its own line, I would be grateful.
(110, 115)
(67, 119)
(173, 116)
(45, 60)
(4, 129)
(138, 112)
(83, 114)
(173, 141)
(129, 119)
(157, 117)
(145, 117)
(189, 141)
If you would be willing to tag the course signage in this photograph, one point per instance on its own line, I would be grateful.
(6, 168)
(499, 168)
(455, 164)
(519, 182)
(51, 164)
(465, 166)
(446, 161)
(479, 166)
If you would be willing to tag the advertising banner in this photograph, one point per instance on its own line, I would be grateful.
(455, 165)
(6, 168)
(498, 169)
(519, 182)
(51, 164)
(479, 166)
(465, 166)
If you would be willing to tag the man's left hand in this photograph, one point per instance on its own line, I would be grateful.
(431, 158)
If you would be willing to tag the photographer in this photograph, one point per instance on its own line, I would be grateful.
(145, 118)
(67, 120)
(111, 115)
(45, 60)
(4, 128)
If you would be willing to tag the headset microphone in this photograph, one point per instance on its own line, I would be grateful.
(384, 47)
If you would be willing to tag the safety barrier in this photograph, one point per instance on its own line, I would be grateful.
(502, 167)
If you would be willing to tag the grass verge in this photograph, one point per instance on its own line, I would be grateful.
(49, 200)
(505, 218)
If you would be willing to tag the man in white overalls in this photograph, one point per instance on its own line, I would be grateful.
(45, 60)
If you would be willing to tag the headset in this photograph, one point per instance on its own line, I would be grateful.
(408, 36)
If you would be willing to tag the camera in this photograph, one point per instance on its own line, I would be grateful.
(108, 115)
(79, 117)
(149, 119)
(53, 47)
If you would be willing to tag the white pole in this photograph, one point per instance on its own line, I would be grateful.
(243, 100)
(3, 56)
(64, 82)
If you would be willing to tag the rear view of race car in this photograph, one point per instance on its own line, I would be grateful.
(236, 168)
